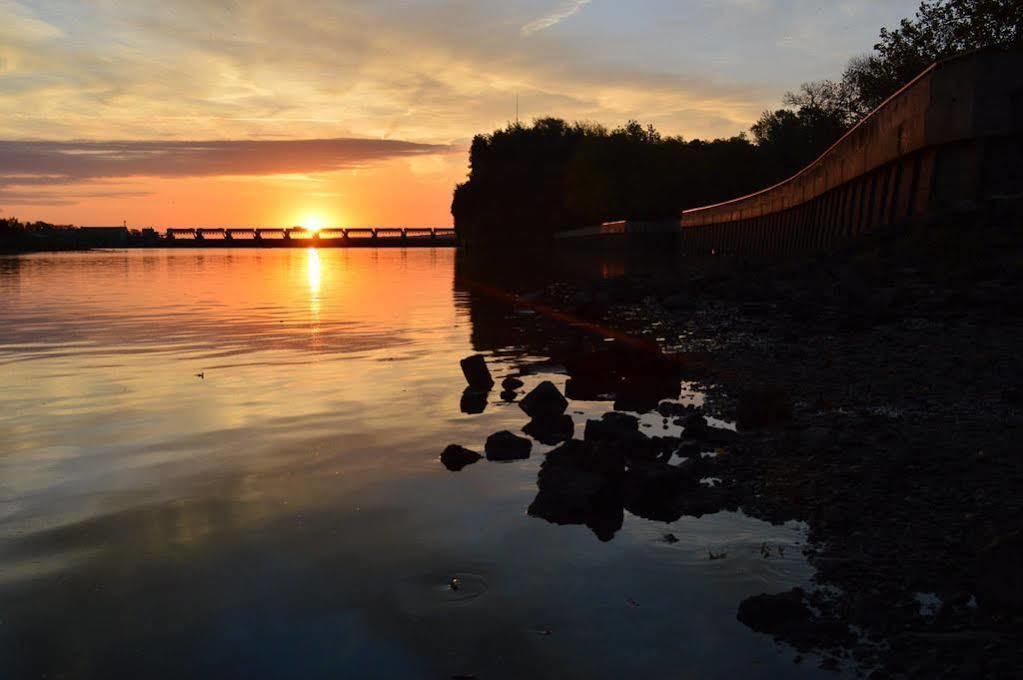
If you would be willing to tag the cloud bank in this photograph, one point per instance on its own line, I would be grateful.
(26, 167)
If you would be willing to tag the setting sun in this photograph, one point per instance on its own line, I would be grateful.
(313, 223)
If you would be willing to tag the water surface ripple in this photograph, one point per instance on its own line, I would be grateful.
(225, 464)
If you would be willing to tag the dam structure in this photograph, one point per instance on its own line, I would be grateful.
(948, 143)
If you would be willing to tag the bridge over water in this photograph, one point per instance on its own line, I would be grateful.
(948, 143)
(298, 237)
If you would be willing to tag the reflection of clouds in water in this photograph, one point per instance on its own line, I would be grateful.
(295, 489)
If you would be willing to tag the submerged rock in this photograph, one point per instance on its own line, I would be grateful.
(551, 431)
(621, 421)
(670, 409)
(619, 433)
(546, 401)
(694, 426)
(656, 491)
(613, 427)
(456, 457)
(779, 614)
(473, 402)
(476, 372)
(511, 383)
(579, 486)
(507, 446)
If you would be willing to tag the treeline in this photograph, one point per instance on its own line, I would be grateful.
(17, 236)
(526, 182)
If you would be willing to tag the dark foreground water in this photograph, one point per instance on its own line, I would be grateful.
(225, 464)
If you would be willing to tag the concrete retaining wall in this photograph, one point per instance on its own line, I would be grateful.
(945, 142)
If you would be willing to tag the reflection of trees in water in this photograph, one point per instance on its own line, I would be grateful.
(508, 307)
(587, 482)
(10, 273)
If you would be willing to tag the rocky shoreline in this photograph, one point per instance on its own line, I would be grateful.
(877, 398)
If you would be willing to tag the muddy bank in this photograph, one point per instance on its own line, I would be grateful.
(877, 394)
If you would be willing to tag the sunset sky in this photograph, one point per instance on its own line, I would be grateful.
(356, 112)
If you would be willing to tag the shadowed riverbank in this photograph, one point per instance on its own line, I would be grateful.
(875, 392)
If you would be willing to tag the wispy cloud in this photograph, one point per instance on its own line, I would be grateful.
(564, 11)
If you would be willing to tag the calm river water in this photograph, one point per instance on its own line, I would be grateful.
(225, 464)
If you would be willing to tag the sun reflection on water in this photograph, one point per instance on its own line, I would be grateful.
(314, 272)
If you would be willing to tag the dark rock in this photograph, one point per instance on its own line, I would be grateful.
(473, 402)
(455, 457)
(507, 446)
(697, 467)
(621, 421)
(763, 407)
(476, 372)
(551, 431)
(706, 500)
(690, 449)
(672, 409)
(613, 427)
(511, 383)
(695, 426)
(657, 491)
(637, 376)
(509, 396)
(641, 393)
(579, 485)
(545, 401)
(778, 614)
(664, 447)
(719, 436)
(999, 573)
(619, 434)
(696, 429)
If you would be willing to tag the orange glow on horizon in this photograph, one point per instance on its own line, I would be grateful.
(355, 199)
(313, 223)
